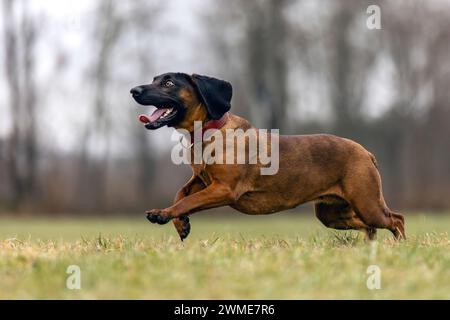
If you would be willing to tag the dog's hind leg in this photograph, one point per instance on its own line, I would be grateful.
(362, 189)
(378, 215)
(337, 213)
(399, 222)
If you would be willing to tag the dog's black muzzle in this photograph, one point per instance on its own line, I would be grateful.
(148, 95)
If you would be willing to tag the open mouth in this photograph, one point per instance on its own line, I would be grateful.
(160, 117)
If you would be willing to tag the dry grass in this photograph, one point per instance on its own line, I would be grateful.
(255, 257)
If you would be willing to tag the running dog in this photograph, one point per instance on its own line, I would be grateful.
(337, 174)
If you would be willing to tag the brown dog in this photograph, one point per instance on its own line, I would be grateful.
(339, 175)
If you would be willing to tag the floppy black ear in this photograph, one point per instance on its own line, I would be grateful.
(215, 93)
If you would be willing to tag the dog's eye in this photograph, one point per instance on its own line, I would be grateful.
(169, 83)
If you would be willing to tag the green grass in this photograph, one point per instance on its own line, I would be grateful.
(269, 257)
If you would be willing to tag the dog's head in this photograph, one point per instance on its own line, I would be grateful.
(181, 99)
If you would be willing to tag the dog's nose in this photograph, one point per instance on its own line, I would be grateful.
(136, 91)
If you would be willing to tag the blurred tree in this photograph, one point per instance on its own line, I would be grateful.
(262, 48)
(417, 131)
(20, 36)
(352, 51)
(96, 167)
(97, 130)
(266, 57)
(143, 31)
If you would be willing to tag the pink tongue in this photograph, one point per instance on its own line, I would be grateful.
(155, 116)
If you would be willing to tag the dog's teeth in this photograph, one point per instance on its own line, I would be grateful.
(167, 112)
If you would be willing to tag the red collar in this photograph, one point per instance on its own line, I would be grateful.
(212, 124)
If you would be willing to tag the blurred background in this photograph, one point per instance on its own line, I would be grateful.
(70, 141)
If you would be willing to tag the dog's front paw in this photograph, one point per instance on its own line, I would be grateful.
(158, 216)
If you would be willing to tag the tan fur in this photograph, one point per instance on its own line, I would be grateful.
(195, 111)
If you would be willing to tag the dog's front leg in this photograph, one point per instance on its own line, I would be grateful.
(215, 195)
(181, 223)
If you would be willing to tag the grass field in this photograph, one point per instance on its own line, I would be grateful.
(278, 257)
